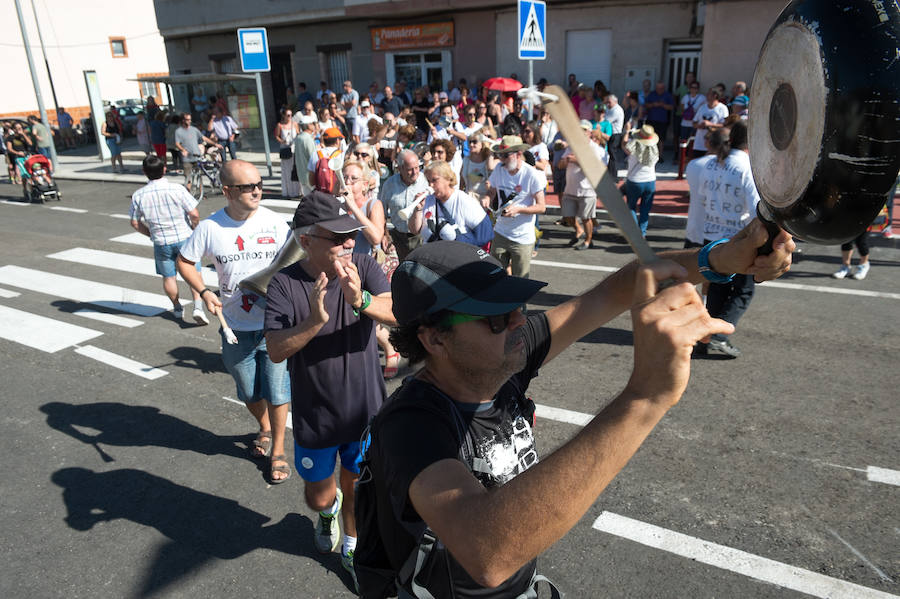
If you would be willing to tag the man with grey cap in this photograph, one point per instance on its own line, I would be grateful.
(398, 192)
(452, 451)
(320, 316)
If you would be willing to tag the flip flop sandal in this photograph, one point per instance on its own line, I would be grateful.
(391, 371)
(284, 468)
(262, 445)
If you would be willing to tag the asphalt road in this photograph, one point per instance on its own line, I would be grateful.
(117, 485)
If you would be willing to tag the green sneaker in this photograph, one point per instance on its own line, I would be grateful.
(347, 562)
(328, 533)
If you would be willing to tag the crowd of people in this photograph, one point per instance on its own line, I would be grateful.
(418, 223)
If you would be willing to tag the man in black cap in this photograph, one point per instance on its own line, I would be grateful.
(453, 449)
(320, 316)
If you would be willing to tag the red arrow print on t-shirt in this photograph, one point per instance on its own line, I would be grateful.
(240, 243)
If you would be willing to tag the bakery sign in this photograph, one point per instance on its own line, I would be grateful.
(422, 35)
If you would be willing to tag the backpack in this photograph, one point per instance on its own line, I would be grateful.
(376, 577)
(689, 112)
(326, 179)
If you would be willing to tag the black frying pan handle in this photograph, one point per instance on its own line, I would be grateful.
(771, 228)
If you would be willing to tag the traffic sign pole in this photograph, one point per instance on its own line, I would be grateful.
(253, 44)
(532, 18)
(262, 122)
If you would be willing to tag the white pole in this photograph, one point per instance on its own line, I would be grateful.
(262, 119)
(34, 80)
(530, 85)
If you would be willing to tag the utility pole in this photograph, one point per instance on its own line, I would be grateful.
(34, 80)
(37, 23)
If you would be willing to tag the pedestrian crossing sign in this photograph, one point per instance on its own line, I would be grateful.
(532, 30)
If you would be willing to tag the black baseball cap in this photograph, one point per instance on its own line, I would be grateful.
(455, 276)
(323, 209)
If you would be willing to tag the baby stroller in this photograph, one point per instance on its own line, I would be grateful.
(37, 184)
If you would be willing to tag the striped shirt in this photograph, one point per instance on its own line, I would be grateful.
(163, 206)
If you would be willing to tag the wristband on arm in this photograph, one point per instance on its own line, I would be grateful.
(366, 300)
(703, 263)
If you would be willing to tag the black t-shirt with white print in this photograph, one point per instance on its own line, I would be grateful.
(416, 428)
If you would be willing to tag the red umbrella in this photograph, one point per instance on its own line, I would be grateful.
(502, 84)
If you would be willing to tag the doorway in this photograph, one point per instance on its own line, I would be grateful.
(282, 79)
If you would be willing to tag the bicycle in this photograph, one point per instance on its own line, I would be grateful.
(209, 166)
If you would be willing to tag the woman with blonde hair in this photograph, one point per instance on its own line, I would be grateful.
(477, 168)
(366, 208)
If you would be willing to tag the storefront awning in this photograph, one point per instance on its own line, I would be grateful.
(192, 78)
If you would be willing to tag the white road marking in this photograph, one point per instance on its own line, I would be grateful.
(123, 262)
(134, 239)
(121, 362)
(8, 293)
(734, 560)
(561, 415)
(40, 332)
(574, 266)
(106, 317)
(12, 203)
(122, 216)
(883, 475)
(884, 577)
(122, 299)
(67, 209)
(779, 284)
(280, 203)
(289, 423)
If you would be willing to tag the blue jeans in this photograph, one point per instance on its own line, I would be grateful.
(231, 147)
(643, 192)
(164, 256)
(255, 375)
(729, 301)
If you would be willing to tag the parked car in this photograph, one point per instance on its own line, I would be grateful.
(128, 114)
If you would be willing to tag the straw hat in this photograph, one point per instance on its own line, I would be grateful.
(508, 144)
(646, 135)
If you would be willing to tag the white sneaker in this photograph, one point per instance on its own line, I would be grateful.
(861, 271)
(843, 272)
(328, 534)
(200, 316)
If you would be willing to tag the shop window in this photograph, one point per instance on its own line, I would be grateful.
(118, 47)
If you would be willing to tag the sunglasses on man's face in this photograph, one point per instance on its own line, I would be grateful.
(361, 154)
(247, 187)
(336, 239)
(496, 322)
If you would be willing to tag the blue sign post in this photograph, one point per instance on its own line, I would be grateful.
(532, 30)
(253, 45)
(532, 37)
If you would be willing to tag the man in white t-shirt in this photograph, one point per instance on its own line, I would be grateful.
(579, 200)
(616, 117)
(361, 124)
(517, 189)
(709, 117)
(242, 239)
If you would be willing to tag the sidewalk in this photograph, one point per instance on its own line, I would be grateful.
(82, 164)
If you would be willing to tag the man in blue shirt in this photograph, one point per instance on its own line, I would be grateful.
(659, 104)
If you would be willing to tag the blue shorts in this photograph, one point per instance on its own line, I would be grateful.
(165, 255)
(113, 146)
(318, 464)
(255, 375)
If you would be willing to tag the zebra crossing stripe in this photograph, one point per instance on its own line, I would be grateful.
(123, 262)
(67, 209)
(106, 317)
(292, 204)
(40, 332)
(7, 293)
(121, 362)
(122, 299)
(134, 239)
